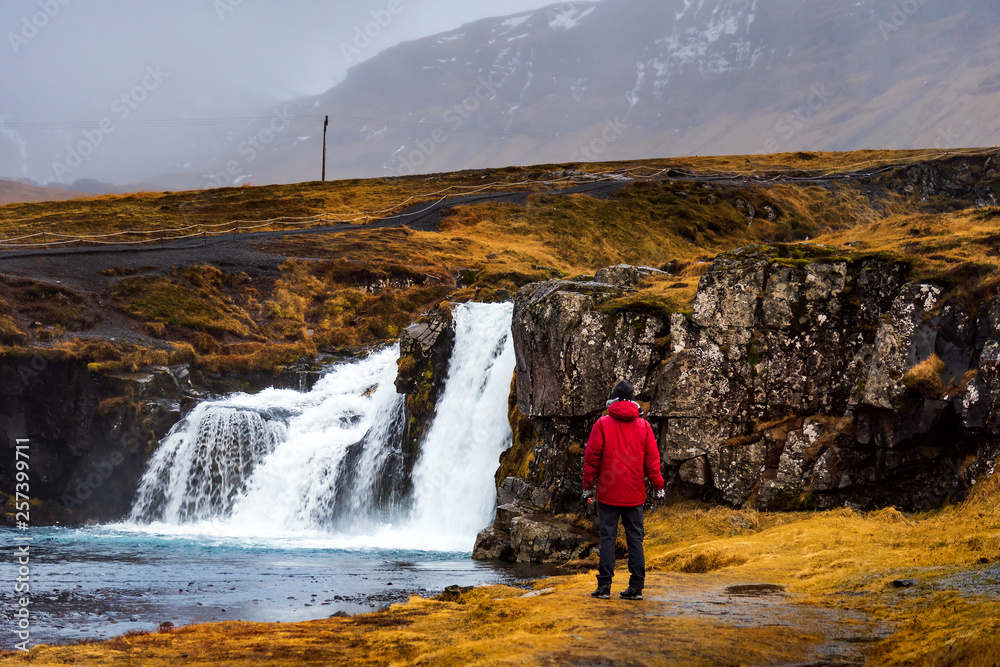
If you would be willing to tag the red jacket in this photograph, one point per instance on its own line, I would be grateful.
(621, 453)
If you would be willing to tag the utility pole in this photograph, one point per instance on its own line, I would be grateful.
(326, 122)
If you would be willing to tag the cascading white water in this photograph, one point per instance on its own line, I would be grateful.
(270, 462)
(328, 462)
(453, 485)
(200, 469)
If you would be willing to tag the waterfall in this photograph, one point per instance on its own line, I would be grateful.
(327, 462)
(453, 486)
(276, 456)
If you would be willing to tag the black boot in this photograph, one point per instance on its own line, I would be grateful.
(631, 594)
(602, 592)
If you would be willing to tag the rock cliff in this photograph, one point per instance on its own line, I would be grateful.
(424, 352)
(800, 378)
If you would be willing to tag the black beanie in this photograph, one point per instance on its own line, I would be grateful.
(623, 392)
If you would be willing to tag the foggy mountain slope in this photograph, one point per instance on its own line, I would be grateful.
(13, 191)
(643, 78)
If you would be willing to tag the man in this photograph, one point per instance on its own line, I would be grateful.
(621, 453)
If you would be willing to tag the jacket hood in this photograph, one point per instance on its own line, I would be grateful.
(625, 411)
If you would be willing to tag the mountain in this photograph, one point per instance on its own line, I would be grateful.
(583, 81)
(15, 192)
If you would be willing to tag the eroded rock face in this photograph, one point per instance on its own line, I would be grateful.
(524, 531)
(800, 379)
(569, 353)
(424, 351)
(89, 434)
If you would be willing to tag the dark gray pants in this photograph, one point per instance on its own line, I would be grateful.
(632, 521)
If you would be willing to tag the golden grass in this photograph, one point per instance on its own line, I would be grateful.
(151, 211)
(336, 303)
(329, 304)
(808, 162)
(339, 201)
(193, 298)
(322, 305)
(959, 249)
(650, 223)
(925, 377)
(252, 357)
(49, 308)
(839, 559)
(491, 626)
(660, 295)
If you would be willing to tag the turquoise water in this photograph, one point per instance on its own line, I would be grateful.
(96, 583)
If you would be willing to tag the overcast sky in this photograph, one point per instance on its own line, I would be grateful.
(64, 61)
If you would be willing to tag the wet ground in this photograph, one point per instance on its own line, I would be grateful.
(844, 633)
(983, 581)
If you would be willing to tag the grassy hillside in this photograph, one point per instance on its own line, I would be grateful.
(323, 292)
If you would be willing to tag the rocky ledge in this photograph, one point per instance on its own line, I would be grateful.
(801, 378)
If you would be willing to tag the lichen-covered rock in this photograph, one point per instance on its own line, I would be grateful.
(569, 353)
(514, 491)
(540, 539)
(625, 275)
(492, 544)
(424, 351)
(727, 294)
(904, 338)
(516, 497)
(426, 345)
(801, 378)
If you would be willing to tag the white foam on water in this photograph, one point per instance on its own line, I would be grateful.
(310, 468)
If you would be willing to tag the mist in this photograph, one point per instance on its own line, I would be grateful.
(135, 83)
(211, 93)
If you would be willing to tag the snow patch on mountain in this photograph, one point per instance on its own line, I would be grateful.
(515, 21)
(713, 45)
(520, 102)
(569, 18)
(633, 95)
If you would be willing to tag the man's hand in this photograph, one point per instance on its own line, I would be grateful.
(661, 494)
(588, 495)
